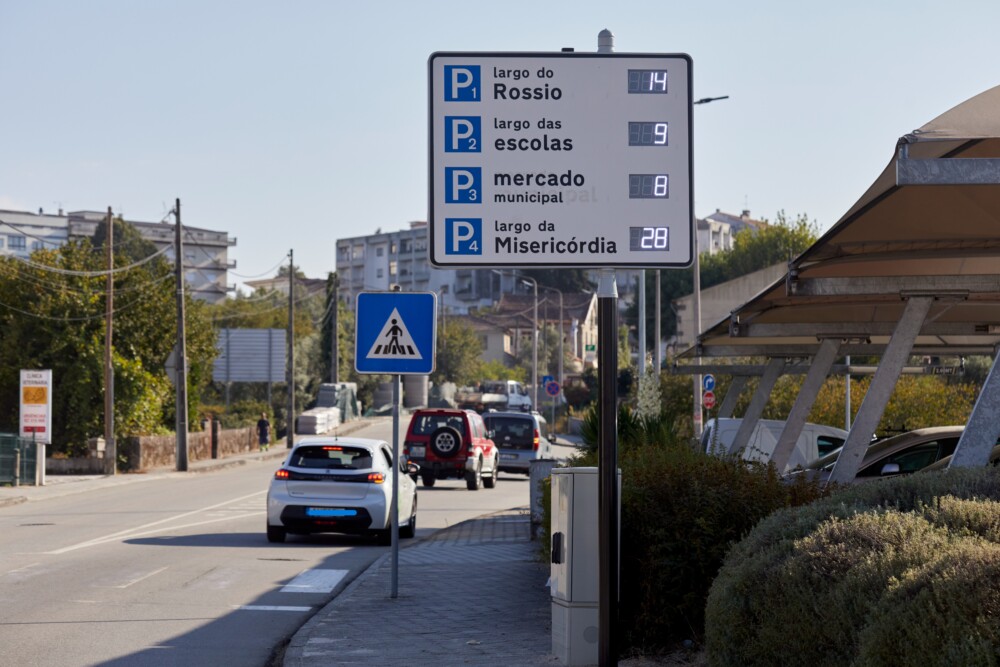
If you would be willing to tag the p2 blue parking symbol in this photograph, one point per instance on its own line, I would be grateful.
(463, 236)
(463, 185)
(461, 83)
(462, 134)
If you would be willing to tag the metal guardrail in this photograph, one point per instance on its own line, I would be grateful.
(18, 460)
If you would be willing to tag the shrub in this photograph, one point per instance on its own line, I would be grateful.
(834, 583)
(681, 511)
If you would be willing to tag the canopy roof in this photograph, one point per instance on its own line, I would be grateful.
(902, 238)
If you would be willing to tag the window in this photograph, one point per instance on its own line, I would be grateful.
(36, 245)
(378, 273)
(392, 268)
(16, 242)
(379, 251)
(1, 241)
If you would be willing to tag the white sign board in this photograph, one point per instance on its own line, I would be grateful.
(560, 159)
(36, 406)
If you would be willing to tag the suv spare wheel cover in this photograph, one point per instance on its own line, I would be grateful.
(446, 442)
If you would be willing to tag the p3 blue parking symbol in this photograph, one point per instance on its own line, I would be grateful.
(463, 185)
(463, 134)
(461, 83)
(463, 236)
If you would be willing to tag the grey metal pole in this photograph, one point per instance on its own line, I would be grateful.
(607, 491)
(696, 415)
(534, 352)
(290, 422)
(641, 321)
(394, 512)
(334, 343)
(608, 529)
(111, 453)
(657, 354)
(181, 422)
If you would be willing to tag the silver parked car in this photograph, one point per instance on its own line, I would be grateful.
(340, 485)
(897, 455)
(521, 437)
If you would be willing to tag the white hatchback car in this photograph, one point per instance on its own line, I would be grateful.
(340, 485)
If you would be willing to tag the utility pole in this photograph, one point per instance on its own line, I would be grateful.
(291, 349)
(334, 359)
(109, 370)
(182, 398)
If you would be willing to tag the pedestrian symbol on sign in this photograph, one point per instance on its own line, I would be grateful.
(394, 341)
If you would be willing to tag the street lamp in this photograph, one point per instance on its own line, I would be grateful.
(696, 286)
(559, 292)
(534, 347)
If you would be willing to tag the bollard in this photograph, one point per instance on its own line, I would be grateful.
(17, 466)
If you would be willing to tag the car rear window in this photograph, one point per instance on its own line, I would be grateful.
(511, 430)
(327, 456)
(427, 424)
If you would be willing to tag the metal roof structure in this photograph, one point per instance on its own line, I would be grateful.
(912, 268)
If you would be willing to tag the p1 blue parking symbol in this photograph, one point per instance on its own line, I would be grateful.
(462, 134)
(463, 236)
(461, 83)
(463, 185)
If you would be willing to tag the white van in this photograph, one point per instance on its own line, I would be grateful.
(815, 440)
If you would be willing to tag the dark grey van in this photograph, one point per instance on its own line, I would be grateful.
(521, 437)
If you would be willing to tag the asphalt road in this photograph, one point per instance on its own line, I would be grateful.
(174, 569)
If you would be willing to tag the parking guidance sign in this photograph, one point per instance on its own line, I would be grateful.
(560, 159)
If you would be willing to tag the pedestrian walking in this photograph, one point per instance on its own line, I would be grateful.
(263, 432)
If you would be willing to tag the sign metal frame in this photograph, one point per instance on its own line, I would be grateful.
(532, 162)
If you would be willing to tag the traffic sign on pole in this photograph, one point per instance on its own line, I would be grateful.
(533, 154)
(395, 333)
(708, 382)
(708, 399)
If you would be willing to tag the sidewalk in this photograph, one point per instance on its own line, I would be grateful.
(472, 594)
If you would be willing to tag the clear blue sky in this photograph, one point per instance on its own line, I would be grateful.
(293, 124)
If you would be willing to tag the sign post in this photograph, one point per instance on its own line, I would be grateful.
(36, 414)
(559, 160)
(395, 334)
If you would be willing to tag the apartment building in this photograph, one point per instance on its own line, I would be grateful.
(206, 252)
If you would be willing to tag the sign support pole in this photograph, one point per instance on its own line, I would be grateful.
(394, 513)
(608, 531)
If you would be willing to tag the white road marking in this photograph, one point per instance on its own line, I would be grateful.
(135, 532)
(261, 607)
(315, 581)
(134, 580)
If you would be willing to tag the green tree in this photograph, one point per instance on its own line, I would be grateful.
(52, 315)
(459, 354)
(752, 251)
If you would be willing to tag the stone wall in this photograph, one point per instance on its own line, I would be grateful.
(160, 451)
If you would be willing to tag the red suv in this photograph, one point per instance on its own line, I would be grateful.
(452, 443)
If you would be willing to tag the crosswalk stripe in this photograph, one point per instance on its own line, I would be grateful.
(315, 581)
(264, 607)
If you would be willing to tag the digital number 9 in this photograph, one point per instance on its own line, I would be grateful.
(660, 134)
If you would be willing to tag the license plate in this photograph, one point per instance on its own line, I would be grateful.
(329, 511)
(417, 450)
(508, 457)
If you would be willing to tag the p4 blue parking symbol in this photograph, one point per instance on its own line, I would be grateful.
(462, 134)
(461, 83)
(395, 332)
(463, 236)
(463, 185)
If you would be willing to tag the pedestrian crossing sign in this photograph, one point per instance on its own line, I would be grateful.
(395, 333)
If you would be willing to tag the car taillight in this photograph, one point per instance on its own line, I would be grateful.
(281, 474)
(376, 477)
(534, 441)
